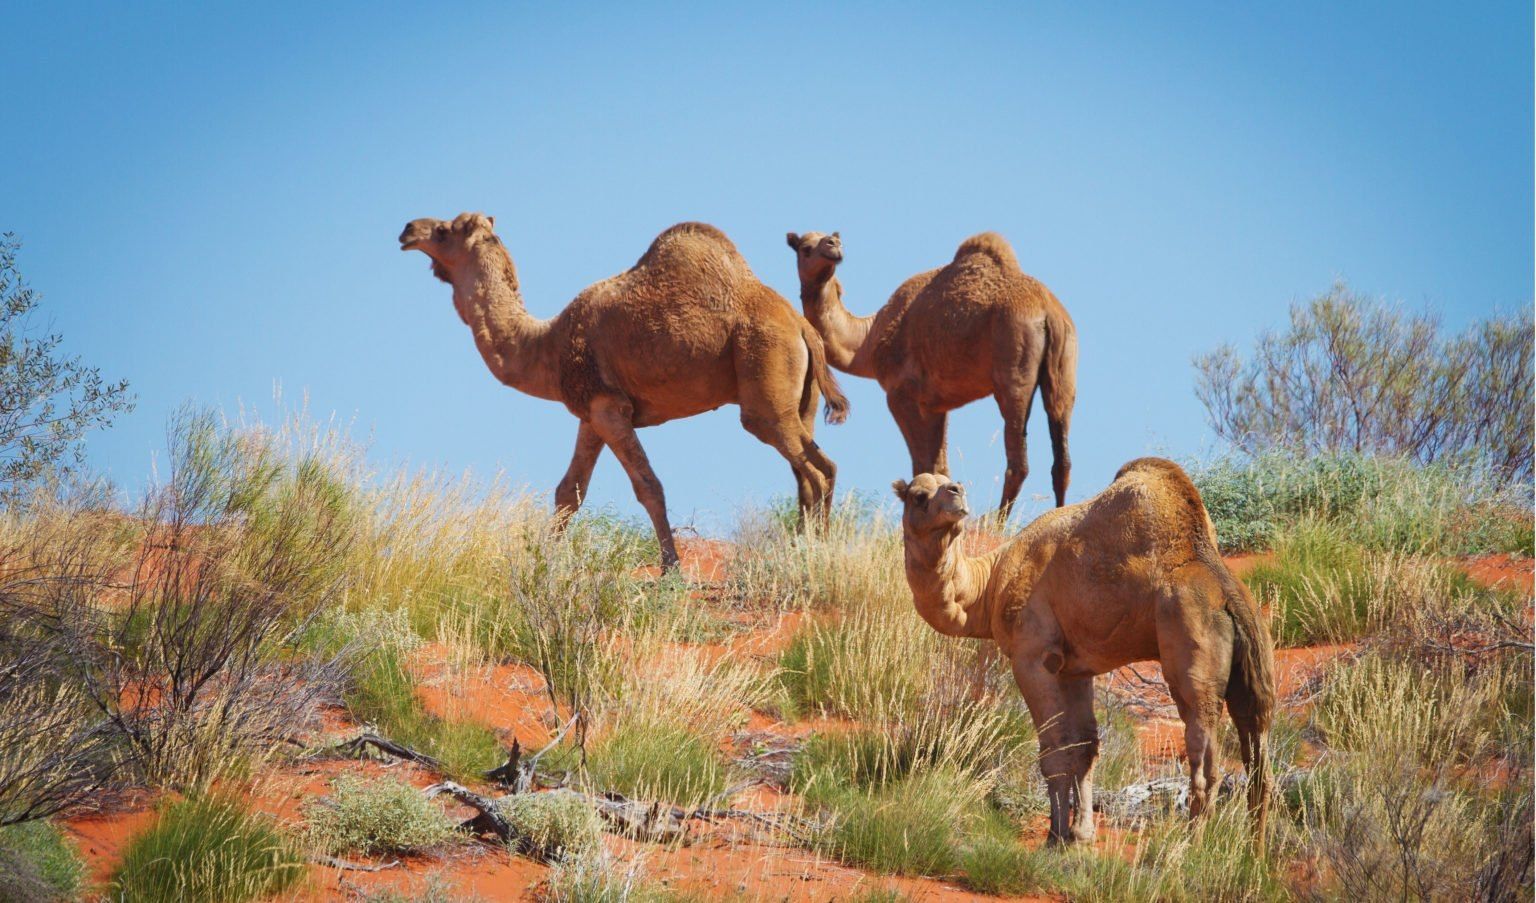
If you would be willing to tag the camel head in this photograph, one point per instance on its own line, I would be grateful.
(816, 255)
(447, 243)
(931, 502)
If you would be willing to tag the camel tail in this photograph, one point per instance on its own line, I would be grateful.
(1058, 393)
(1250, 688)
(820, 376)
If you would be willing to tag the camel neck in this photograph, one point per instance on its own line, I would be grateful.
(949, 588)
(514, 344)
(844, 334)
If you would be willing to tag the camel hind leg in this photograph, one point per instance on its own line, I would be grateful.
(1194, 639)
(1058, 393)
(773, 410)
(1013, 385)
(817, 457)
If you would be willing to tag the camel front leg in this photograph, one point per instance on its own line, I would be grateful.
(1062, 710)
(924, 433)
(612, 420)
(572, 490)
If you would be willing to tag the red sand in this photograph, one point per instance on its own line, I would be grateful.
(1501, 571)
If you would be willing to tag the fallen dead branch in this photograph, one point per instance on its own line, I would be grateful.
(638, 819)
(357, 745)
(335, 863)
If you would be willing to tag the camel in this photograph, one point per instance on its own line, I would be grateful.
(975, 327)
(685, 330)
(1130, 575)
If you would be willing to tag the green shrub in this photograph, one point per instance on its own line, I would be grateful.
(37, 862)
(1380, 504)
(377, 816)
(208, 848)
(1383, 827)
(553, 827)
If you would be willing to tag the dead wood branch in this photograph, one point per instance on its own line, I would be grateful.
(335, 863)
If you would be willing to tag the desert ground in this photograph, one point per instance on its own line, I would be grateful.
(772, 723)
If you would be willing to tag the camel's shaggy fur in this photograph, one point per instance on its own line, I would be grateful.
(685, 330)
(976, 327)
(1130, 575)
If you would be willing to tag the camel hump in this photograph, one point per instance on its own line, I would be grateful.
(1180, 493)
(690, 234)
(992, 245)
(1159, 466)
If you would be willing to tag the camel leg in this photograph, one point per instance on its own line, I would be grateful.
(806, 459)
(1197, 660)
(817, 457)
(1058, 392)
(572, 490)
(1014, 388)
(1015, 420)
(1062, 710)
(611, 419)
(924, 434)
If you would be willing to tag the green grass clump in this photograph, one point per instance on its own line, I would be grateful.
(658, 761)
(553, 827)
(598, 878)
(378, 816)
(208, 848)
(909, 827)
(1321, 586)
(37, 862)
(381, 690)
(856, 561)
(1322, 583)
(995, 862)
(1381, 504)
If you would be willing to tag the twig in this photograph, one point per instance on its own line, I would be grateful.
(706, 810)
(333, 862)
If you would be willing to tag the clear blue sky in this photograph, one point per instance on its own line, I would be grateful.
(209, 197)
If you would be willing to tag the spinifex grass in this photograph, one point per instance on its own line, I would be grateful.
(208, 849)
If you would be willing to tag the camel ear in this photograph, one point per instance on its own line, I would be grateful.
(900, 486)
(837, 235)
(491, 220)
(793, 240)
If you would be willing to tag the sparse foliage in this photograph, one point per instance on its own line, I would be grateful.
(1351, 374)
(48, 399)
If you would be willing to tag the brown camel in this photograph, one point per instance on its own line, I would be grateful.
(975, 327)
(1130, 575)
(685, 330)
